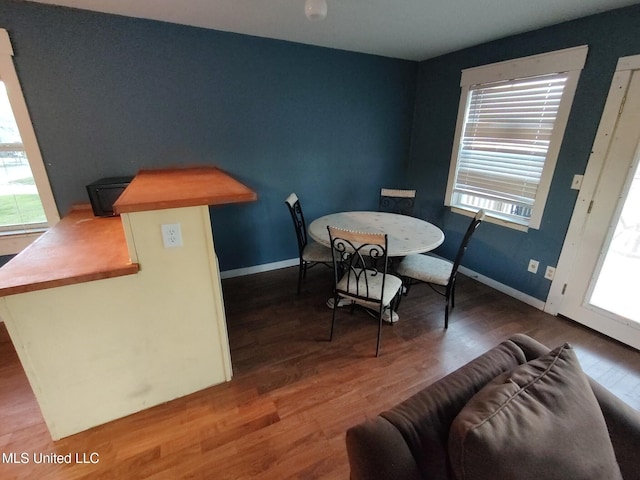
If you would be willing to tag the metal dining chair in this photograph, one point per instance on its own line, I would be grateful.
(356, 280)
(310, 252)
(397, 201)
(439, 274)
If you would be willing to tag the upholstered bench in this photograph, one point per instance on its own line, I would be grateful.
(520, 411)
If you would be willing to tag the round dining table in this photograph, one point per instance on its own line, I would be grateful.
(405, 235)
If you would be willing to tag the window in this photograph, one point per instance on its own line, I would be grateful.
(20, 203)
(511, 122)
(27, 206)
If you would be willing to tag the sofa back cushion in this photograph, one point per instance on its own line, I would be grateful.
(424, 419)
(540, 421)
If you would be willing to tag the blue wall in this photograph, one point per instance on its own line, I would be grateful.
(109, 95)
(498, 252)
(5, 258)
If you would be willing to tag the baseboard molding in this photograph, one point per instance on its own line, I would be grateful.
(501, 287)
(267, 267)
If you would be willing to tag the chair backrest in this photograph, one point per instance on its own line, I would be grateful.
(473, 226)
(295, 209)
(397, 201)
(359, 255)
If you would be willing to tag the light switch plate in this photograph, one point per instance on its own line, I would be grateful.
(171, 235)
(577, 182)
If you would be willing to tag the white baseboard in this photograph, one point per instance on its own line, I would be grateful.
(501, 287)
(267, 267)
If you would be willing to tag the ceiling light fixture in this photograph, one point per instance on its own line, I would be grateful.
(315, 9)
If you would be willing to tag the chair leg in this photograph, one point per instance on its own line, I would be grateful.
(379, 330)
(300, 269)
(449, 298)
(453, 293)
(333, 318)
(446, 315)
(397, 300)
(406, 286)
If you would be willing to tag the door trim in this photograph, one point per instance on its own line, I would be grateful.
(602, 141)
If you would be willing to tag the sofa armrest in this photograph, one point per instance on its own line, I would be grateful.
(377, 451)
(623, 423)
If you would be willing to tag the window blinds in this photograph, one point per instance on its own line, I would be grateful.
(507, 131)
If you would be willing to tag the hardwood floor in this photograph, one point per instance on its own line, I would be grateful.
(294, 394)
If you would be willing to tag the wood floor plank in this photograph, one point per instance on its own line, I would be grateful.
(294, 394)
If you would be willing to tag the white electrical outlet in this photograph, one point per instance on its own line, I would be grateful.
(533, 266)
(171, 235)
(549, 273)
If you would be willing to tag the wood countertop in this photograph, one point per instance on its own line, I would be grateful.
(182, 187)
(79, 248)
(82, 247)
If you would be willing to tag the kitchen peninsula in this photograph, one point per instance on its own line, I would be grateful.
(109, 316)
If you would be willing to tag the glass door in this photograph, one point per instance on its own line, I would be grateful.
(599, 288)
(616, 287)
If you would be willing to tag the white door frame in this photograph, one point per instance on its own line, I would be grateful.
(608, 122)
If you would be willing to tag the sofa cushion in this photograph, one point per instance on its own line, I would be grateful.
(424, 419)
(540, 421)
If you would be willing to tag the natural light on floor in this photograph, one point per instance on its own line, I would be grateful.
(616, 289)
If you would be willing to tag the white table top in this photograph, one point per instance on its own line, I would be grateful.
(405, 235)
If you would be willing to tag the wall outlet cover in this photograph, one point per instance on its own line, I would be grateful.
(549, 273)
(171, 235)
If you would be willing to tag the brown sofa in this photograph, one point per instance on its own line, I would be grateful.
(412, 440)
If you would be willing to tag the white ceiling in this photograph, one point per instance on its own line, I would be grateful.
(408, 29)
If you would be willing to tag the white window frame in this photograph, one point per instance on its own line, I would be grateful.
(570, 60)
(13, 242)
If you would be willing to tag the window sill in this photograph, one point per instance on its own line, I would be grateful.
(12, 243)
(492, 218)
